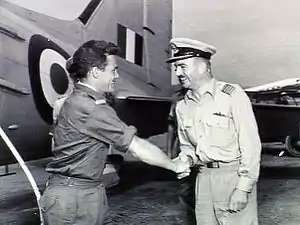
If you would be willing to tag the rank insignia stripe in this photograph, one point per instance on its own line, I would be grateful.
(228, 89)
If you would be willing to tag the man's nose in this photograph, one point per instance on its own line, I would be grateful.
(178, 71)
(117, 75)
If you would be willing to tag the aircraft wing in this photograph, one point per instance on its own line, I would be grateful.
(147, 113)
(276, 111)
(275, 91)
(277, 85)
(292, 91)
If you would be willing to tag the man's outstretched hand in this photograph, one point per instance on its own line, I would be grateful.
(182, 168)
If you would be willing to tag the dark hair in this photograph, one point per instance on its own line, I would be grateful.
(91, 54)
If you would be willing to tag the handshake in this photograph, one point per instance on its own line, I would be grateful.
(183, 165)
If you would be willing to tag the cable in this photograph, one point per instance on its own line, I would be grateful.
(24, 168)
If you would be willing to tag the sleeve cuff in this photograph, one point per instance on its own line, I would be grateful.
(245, 184)
(129, 133)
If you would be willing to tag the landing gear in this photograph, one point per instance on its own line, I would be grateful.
(292, 145)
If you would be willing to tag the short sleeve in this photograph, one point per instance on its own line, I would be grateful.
(104, 125)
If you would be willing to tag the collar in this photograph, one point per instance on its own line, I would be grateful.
(90, 91)
(208, 87)
(86, 85)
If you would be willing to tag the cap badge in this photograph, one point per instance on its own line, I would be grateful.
(174, 48)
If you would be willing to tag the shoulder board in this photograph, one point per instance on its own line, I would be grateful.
(228, 89)
(100, 102)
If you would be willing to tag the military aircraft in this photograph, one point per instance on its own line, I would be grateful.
(277, 106)
(38, 36)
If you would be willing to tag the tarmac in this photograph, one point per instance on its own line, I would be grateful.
(149, 195)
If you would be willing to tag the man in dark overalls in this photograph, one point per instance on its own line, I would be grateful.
(85, 129)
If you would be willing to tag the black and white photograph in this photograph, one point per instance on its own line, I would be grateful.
(129, 112)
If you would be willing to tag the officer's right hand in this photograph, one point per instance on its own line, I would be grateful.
(238, 200)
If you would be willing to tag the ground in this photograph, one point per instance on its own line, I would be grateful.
(149, 195)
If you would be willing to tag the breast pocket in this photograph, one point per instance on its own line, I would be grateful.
(219, 131)
(187, 124)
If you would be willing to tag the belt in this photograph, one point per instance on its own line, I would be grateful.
(212, 165)
(58, 179)
(216, 164)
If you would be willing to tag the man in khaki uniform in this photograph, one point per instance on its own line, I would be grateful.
(218, 134)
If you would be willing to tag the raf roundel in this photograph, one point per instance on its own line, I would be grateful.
(48, 76)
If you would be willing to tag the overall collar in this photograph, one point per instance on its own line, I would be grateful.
(90, 91)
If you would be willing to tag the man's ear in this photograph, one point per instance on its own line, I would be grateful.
(94, 72)
(202, 67)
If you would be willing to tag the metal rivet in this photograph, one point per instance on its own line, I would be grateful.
(13, 127)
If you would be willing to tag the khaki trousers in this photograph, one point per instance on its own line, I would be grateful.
(213, 189)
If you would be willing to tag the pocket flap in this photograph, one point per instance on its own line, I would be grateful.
(218, 121)
(47, 202)
(187, 123)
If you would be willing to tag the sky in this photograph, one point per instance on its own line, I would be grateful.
(257, 41)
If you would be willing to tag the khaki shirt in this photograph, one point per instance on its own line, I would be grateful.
(219, 125)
